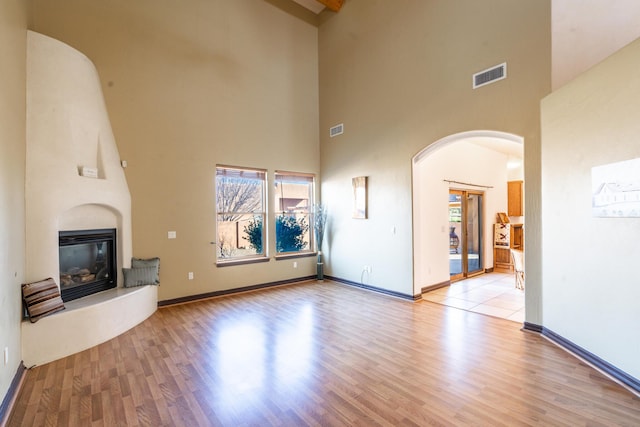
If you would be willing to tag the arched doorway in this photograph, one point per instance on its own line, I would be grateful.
(474, 162)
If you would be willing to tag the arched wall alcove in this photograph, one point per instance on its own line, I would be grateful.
(483, 160)
(91, 216)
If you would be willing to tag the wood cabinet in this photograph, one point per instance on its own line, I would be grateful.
(515, 208)
(502, 254)
(502, 259)
(517, 237)
(514, 198)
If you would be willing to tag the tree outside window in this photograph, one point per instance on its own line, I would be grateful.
(240, 211)
(294, 197)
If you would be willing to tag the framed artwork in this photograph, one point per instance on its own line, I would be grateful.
(359, 197)
(616, 190)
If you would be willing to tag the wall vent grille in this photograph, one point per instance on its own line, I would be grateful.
(336, 130)
(490, 75)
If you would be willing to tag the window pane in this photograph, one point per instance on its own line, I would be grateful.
(293, 202)
(241, 237)
(239, 195)
(240, 213)
(292, 233)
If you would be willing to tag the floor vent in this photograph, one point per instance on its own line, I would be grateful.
(336, 130)
(490, 75)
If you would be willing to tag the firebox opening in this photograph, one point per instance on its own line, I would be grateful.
(87, 262)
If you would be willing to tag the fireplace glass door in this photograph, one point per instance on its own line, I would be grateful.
(87, 262)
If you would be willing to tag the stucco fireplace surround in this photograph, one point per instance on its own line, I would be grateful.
(74, 181)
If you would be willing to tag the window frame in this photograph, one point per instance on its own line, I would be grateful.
(294, 177)
(249, 173)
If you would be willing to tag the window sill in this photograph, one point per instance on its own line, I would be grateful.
(295, 255)
(279, 257)
(241, 261)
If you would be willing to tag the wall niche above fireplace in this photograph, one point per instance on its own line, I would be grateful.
(87, 262)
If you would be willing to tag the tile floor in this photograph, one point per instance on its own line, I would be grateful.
(493, 294)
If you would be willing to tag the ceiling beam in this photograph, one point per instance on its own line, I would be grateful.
(334, 5)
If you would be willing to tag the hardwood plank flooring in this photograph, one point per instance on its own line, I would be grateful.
(321, 354)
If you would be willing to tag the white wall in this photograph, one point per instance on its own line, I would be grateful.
(591, 286)
(13, 39)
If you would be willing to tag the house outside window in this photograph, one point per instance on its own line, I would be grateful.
(241, 214)
(294, 199)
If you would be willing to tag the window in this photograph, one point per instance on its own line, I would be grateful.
(240, 211)
(294, 197)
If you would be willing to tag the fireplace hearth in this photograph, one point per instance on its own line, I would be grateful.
(87, 262)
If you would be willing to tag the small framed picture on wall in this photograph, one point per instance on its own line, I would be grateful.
(359, 197)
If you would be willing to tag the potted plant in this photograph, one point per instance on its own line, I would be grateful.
(319, 222)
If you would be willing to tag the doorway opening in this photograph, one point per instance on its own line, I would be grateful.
(465, 234)
(488, 160)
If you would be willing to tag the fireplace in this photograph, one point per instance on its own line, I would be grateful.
(87, 262)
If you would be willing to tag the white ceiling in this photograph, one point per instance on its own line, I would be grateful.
(513, 150)
(510, 148)
(584, 32)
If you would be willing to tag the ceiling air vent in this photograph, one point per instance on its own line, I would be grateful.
(490, 75)
(336, 130)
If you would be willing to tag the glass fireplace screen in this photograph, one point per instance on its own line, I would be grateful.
(87, 262)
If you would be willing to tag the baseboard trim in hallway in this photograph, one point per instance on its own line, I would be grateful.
(616, 374)
(376, 289)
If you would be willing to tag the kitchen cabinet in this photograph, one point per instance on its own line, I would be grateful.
(514, 198)
(514, 235)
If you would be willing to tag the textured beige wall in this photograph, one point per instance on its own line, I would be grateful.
(398, 75)
(189, 85)
(235, 83)
(590, 279)
(13, 49)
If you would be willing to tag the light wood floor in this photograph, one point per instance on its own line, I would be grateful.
(322, 354)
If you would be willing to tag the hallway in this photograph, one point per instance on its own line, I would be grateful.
(493, 294)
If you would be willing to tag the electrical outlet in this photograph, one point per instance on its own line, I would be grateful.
(367, 269)
(171, 234)
(295, 264)
(190, 275)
